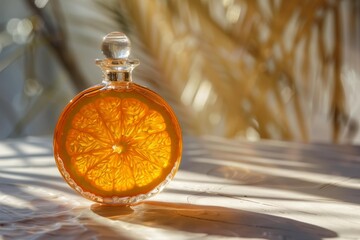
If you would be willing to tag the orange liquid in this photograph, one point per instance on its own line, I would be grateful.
(119, 144)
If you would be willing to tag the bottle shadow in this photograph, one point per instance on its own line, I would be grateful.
(212, 221)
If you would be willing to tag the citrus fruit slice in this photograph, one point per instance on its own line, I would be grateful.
(118, 146)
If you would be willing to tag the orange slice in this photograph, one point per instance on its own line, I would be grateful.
(113, 144)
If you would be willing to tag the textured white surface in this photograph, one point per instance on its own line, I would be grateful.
(224, 190)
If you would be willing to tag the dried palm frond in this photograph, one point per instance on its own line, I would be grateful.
(243, 68)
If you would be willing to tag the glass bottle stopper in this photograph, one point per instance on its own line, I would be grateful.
(117, 66)
(116, 45)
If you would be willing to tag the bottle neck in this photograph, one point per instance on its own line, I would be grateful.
(111, 76)
(117, 70)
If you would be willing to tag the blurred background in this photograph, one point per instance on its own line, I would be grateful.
(245, 69)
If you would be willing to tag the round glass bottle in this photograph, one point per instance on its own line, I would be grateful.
(117, 142)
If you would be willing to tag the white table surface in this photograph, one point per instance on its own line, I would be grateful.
(224, 190)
